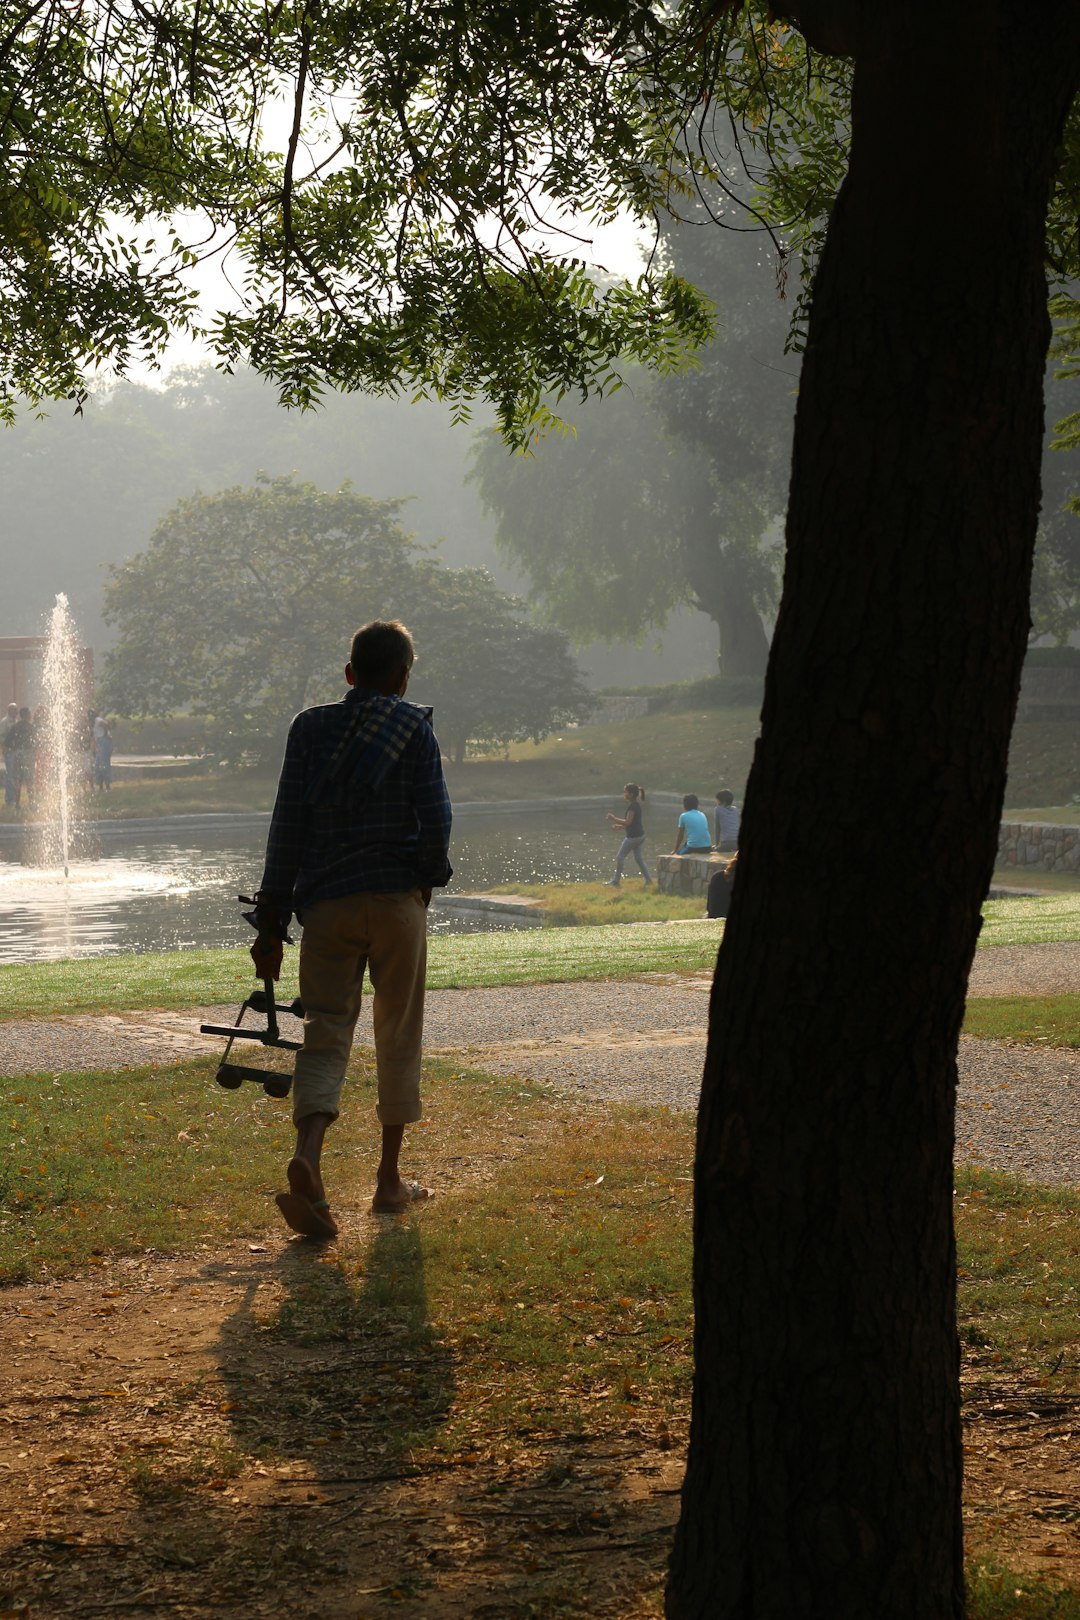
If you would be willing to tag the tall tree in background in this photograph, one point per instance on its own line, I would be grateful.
(239, 607)
(665, 493)
(1055, 591)
(242, 606)
(735, 412)
(824, 1470)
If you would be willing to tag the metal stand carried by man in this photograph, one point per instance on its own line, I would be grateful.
(358, 839)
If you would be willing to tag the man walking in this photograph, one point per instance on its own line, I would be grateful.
(358, 839)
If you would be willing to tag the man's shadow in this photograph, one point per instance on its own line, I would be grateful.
(333, 1376)
(319, 1350)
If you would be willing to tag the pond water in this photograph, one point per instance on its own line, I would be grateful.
(174, 884)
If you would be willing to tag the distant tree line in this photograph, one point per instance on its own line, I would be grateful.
(241, 607)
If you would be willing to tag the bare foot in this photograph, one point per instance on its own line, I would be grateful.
(305, 1178)
(391, 1198)
(304, 1206)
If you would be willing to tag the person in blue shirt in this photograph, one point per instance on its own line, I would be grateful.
(358, 839)
(692, 837)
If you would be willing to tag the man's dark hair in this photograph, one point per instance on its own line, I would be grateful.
(690, 801)
(725, 796)
(378, 649)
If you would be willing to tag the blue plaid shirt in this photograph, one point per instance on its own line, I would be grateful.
(333, 832)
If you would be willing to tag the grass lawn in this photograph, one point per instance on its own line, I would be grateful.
(201, 977)
(1031, 1020)
(1035, 877)
(218, 792)
(1025, 921)
(1044, 763)
(159, 1157)
(497, 1349)
(1060, 815)
(549, 955)
(570, 905)
(675, 750)
(684, 751)
(1018, 1258)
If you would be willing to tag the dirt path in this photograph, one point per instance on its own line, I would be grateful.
(171, 1445)
(169, 1448)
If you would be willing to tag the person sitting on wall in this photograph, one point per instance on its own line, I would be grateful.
(692, 836)
(718, 898)
(726, 821)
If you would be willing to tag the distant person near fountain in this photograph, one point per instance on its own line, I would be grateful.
(6, 724)
(692, 836)
(632, 825)
(19, 758)
(358, 839)
(103, 753)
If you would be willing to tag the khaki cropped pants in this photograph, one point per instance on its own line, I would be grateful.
(387, 934)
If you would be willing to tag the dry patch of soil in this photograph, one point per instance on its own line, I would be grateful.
(168, 1447)
(1022, 1475)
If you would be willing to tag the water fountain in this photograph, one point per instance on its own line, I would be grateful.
(59, 894)
(62, 677)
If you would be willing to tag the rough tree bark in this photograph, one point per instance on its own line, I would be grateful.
(824, 1472)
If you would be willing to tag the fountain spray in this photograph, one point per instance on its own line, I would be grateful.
(63, 694)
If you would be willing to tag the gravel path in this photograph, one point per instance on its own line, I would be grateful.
(644, 1042)
(1026, 970)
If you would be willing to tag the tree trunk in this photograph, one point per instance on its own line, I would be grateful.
(825, 1470)
(717, 578)
(744, 646)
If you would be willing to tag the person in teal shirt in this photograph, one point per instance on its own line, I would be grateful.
(693, 836)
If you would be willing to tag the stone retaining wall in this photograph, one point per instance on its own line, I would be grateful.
(687, 874)
(1021, 844)
(1039, 843)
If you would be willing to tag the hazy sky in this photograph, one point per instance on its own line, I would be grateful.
(620, 248)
